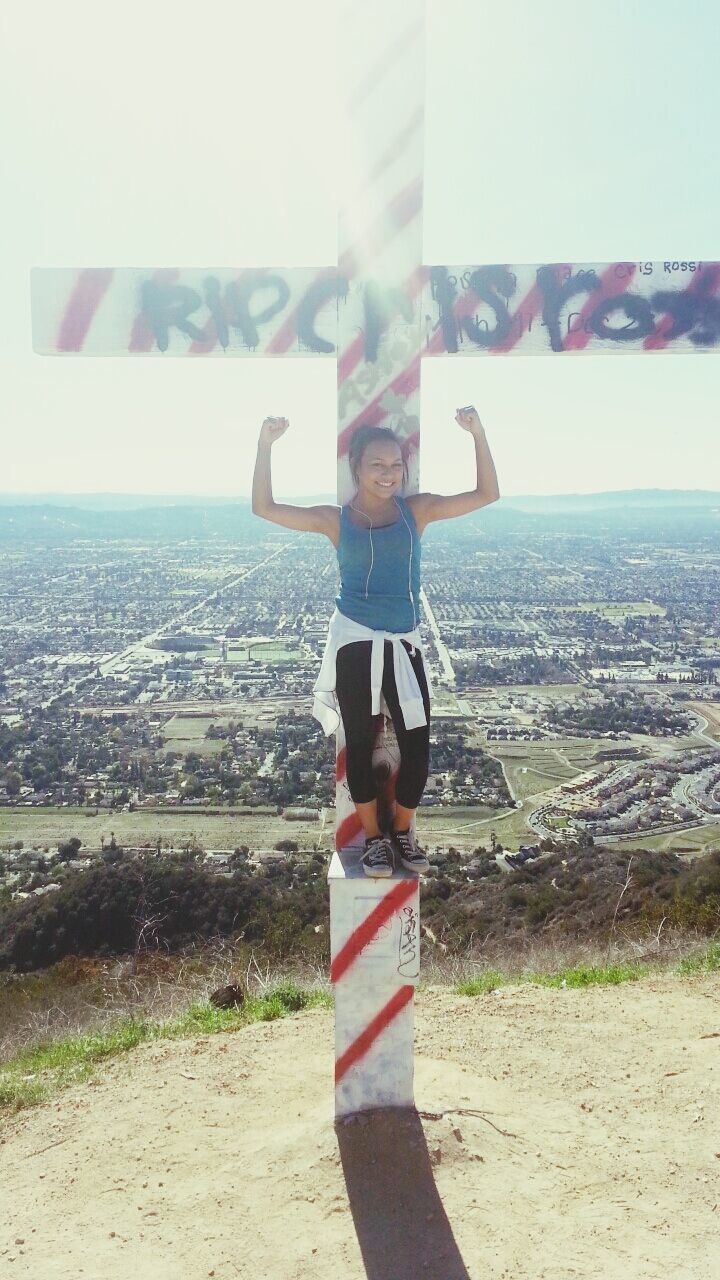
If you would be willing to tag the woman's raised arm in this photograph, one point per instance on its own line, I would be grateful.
(318, 519)
(438, 506)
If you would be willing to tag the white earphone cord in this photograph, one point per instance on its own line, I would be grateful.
(372, 556)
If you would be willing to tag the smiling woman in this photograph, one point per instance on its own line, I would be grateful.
(379, 469)
(373, 661)
(377, 465)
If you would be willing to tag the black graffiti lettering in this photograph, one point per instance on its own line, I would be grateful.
(638, 311)
(610, 313)
(217, 310)
(443, 293)
(486, 283)
(408, 951)
(461, 297)
(707, 320)
(555, 296)
(693, 311)
(680, 306)
(167, 306)
(238, 296)
(492, 285)
(320, 292)
(380, 304)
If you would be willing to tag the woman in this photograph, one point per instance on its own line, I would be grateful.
(373, 658)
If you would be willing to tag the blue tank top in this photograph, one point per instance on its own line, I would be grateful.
(380, 571)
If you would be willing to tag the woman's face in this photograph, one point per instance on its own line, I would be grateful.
(380, 470)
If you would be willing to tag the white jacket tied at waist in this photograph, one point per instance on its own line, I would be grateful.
(343, 630)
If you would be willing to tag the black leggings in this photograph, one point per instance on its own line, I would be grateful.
(352, 688)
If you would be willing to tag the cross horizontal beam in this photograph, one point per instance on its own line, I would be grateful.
(463, 310)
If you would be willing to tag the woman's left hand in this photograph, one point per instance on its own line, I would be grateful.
(469, 419)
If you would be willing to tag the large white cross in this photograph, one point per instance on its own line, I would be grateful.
(379, 310)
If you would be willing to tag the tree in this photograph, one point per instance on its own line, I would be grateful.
(146, 921)
(68, 849)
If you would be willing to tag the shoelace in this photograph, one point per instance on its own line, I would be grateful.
(405, 841)
(377, 853)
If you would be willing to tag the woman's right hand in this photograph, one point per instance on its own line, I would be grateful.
(272, 429)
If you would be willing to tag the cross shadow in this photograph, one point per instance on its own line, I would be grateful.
(402, 1228)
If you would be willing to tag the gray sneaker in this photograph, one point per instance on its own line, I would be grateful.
(403, 844)
(377, 860)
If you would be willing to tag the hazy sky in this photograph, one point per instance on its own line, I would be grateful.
(173, 134)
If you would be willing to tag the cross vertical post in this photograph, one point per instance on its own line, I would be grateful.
(381, 50)
(375, 924)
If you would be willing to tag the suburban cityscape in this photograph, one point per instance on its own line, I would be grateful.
(156, 689)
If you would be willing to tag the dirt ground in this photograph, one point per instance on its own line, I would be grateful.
(558, 1134)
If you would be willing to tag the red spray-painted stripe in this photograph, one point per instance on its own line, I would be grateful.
(464, 306)
(530, 308)
(90, 289)
(396, 147)
(381, 68)
(347, 830)
(405, 382)
(706, 282)
(367, 1038)
(142, 337)
(399, 212)
(351, 826)
(610, 285)
(287, 333)
(403, 207)
(365, 932)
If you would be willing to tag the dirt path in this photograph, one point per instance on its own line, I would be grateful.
(581, 1140)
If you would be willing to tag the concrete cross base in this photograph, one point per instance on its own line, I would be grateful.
(375, 966)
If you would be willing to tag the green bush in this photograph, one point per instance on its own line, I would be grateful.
(540, 905)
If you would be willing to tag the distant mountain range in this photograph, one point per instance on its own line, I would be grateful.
(614, 499)
(519, 502)
(53, 519)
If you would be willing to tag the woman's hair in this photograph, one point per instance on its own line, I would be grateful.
(363, 436)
